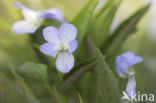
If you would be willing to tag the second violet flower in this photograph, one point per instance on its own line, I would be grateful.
(124, 63)
(61, 43)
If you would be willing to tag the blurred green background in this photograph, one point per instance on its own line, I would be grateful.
(16, 49)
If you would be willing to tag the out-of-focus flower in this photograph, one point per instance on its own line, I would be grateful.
(114, 25)
(152, 2)
(61, 43)
(151, 29)
(124, 62)
(55, 14)
(151, 22)
(100, 4)
(33, 19)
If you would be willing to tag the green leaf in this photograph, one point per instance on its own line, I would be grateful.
(10, 83)
(34, 71)
(75, 77)
(80, 98)
(107, 83)
(101, 25)
(113, 43)
(104, 8)
(22, 90)
(78, 66)
(83, 19)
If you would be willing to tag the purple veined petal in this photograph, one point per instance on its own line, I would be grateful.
(29, 14)
(68, 32)
(130, 56)
(22, 27)
(131, 87)
(55, 14)
(73, 46)
(138, 59)
(48, 49)
(64, 62)
(51, 34)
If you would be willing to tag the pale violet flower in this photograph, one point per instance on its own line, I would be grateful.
(61, 43)
(124, 70)
(33, 19)
(124, 62)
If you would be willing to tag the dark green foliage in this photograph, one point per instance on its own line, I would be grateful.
(114, 42)
(83, 19)
(107, 82)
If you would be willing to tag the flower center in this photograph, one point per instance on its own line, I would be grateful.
(62, 47)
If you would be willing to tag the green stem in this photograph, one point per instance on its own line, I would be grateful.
(52, 92)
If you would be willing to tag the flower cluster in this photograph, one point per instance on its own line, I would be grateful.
(61, 42)
(124, 63)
